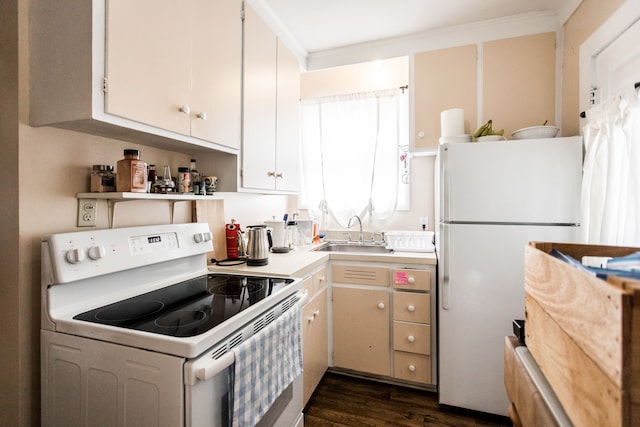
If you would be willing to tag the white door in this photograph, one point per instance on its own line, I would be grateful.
(618, 66)
(610, 58)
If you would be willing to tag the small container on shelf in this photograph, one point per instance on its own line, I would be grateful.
(184, 180)
(131, 173)
(164, 185)
(103, 180)
(152, 177)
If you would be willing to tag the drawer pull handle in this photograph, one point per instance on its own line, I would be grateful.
(411, 308)
(411, 280)
(381, 306)
(412, 368)
(411, 338)
(313, 316)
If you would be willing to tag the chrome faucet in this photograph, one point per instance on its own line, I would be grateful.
(361, 236)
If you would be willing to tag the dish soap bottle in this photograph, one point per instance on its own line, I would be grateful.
(131, 173)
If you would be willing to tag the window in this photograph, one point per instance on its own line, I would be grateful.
(354, 157)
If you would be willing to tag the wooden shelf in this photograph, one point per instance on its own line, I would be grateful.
(113, 198)
(122, 196)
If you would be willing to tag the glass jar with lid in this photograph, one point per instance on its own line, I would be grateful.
(131, 173)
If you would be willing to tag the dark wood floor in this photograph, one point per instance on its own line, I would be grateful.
(340, 401)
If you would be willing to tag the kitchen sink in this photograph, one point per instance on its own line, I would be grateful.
(353, 247)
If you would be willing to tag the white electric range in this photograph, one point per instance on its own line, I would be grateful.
(136, 331)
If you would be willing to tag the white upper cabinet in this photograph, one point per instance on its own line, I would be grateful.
(163, 73)
(148, 69)
(287, 120)
(217, 71)
(270, 146)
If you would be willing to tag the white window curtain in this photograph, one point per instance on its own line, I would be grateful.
(354, 156)
(611, 180)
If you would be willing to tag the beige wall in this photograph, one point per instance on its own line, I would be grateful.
(369, 76)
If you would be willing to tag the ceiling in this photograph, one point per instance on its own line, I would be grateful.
(322, 25)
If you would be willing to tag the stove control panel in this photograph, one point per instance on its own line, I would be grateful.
(85, 254)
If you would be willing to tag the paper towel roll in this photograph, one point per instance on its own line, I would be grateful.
(452, 122)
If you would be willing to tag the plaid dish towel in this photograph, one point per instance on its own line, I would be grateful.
(265, 365)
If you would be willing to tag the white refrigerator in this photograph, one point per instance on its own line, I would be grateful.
(493, 198)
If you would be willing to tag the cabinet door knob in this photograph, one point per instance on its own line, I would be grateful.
(411, 308)
(271, 173)
(313, 316)
(202, 115)
(279, 175)
(381, 306)
(411, 338)
(185, 109)
(411, 280)
(412, 368)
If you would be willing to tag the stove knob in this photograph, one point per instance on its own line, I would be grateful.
(74, 256)
(202, 237)
(97, 252)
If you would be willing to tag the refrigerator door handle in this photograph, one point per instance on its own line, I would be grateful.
(445, 283)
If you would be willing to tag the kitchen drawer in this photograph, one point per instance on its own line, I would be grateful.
(307, 285)
(319, 280)
(412, 337)
(412, 307)
(312, 284)
(414, 280)
(360, 275)
(412, 367)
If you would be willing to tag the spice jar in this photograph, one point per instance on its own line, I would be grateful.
(184, 180)
(131, 173)
(152, 177)
(103, 179)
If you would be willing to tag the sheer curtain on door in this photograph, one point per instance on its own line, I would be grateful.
(350, 156)
(611, 180)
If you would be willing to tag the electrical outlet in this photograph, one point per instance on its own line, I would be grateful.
(87, 211)
(424, 222)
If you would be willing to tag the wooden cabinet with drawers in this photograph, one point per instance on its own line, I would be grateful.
(412, 326)
(383, 321)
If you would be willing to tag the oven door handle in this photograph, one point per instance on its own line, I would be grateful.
(214, 366)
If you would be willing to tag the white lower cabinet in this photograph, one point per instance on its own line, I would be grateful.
(383, 321)
(315, 334)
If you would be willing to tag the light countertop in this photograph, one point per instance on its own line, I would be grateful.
(302, 261)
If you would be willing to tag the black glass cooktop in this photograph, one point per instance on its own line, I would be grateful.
(187, 308)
